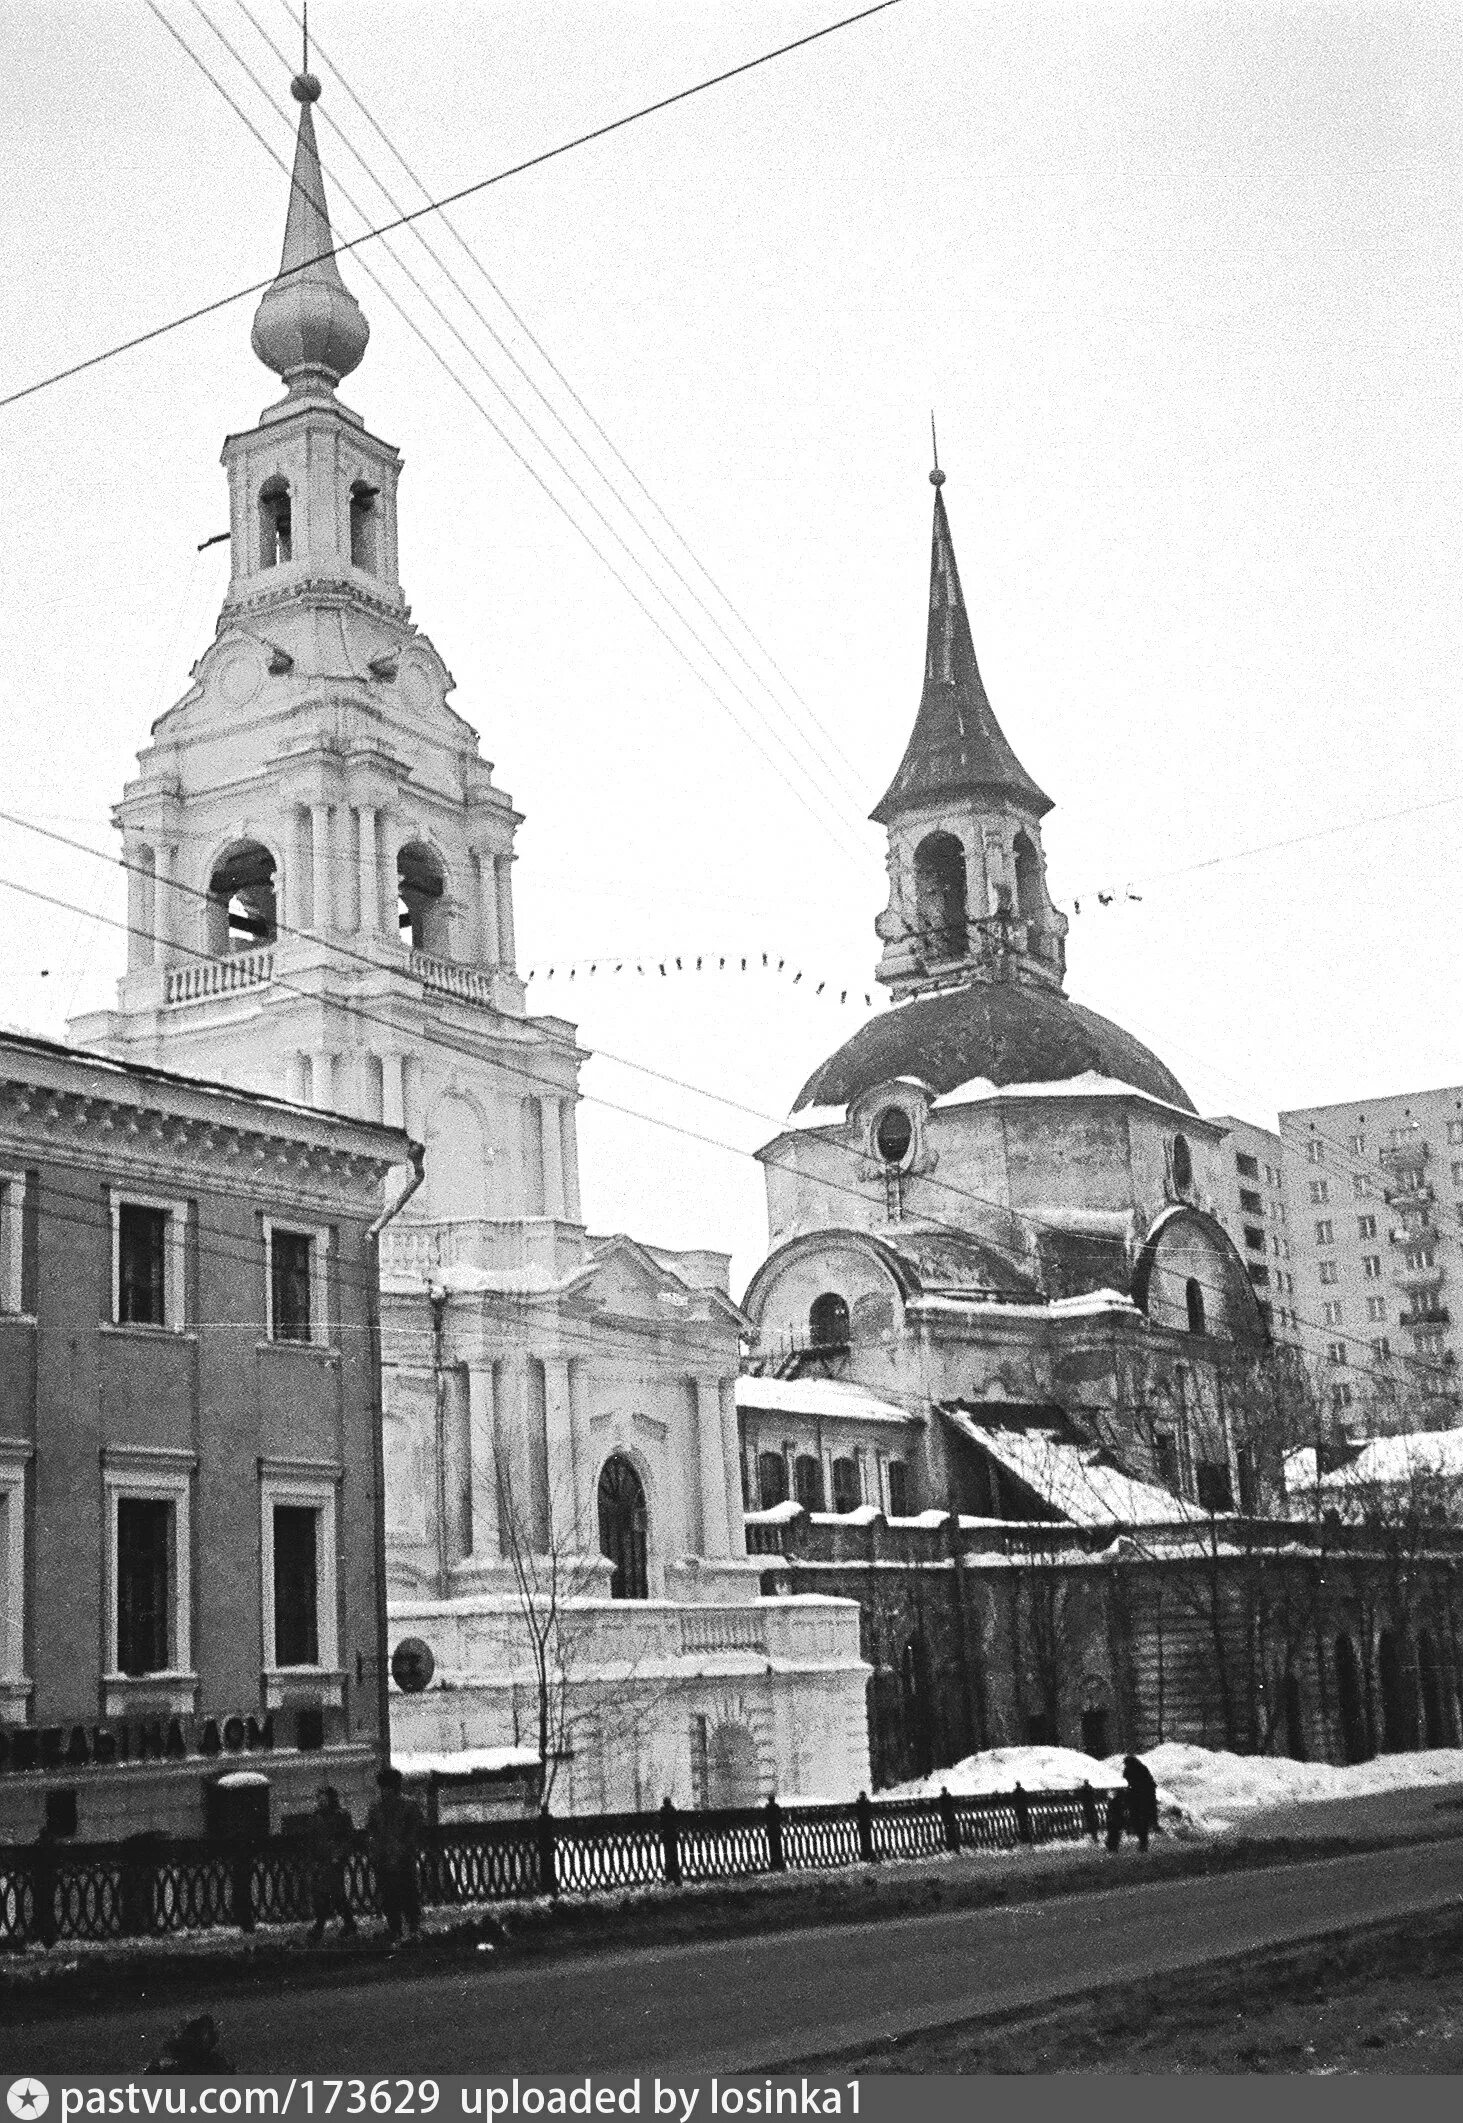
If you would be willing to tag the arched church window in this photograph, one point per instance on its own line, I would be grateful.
(808, 1481)
(893, 1134)
(771, 1480)
(275, 544)
(848, 1490)
(1183, 1165)
(622, 1528)
(939, 897)
(828, 1321)
(1194, 1303)
(1029, 903)
(420, 886)
(364, 520)
(242, 911)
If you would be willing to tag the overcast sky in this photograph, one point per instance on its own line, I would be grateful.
(1182, 285)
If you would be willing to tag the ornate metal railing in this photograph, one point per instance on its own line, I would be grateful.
(218, 976)
(56, 1893)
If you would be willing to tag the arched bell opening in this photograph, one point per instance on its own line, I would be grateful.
(420, 887)
(941, 912)
(365, 522)
(623, 1526)
(276, 528)
(1030, 898)
(243, 909)
(828, 1321)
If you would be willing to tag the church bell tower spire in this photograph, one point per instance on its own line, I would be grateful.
(967, 876)
(308, 327)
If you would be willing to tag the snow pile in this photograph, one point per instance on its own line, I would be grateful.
(1217, 1785)
(1003, 1768)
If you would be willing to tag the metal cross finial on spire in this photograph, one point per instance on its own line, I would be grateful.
(937, 477)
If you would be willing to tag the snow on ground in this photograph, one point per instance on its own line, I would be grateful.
(1199, 1788)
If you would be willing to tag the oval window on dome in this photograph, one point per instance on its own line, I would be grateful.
(893, 1134)
(1183, 1165)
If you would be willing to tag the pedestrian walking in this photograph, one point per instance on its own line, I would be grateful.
(1143, 1798)
(1089, 1811)
(330, 1841)
(394, 1832)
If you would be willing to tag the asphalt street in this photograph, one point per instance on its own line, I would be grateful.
(761, 2003)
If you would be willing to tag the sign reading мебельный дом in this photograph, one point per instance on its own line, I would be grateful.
(30, 2099)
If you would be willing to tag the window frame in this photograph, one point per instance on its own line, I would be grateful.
(175, 1261)
(319, 1237)
(149, 1474)
(13, 1187)
(16, 1455)
(315, 1486)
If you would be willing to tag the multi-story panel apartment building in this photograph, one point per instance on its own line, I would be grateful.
(1254, 1211)
(1375, 1196)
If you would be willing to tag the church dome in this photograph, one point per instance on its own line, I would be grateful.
(1006, 1031)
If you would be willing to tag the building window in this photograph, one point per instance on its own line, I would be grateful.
(828, 1321)
(771, 1480)
(13, 1459)
(298, 1573)
(1254, 1239)
(296, 1620)
(1259, 1274)
(1361, 1185)
(1340, 1399)
(624, 1528)
(1429, 1341)
(12, 1241)
(1366, 1227)
(1455, 1131)
(1457, 1171)
(848, 1490)
(1358, 1145)
(1320, 1190)
(1194, 1306)
(1166, 1459)
(146, 1564)
(297, 1284)
(893, 1134)
(898, 1490)
(1382, 1346)
(1331, 1312)
(1376, 1308)
(1183, 1165)
(1247, 1167)
(1250, 1202)
(148, 1261)
(807, 1476)
(1330, 1273)
(1371, 1267)
(1211, 1479)
(1325, 1236)
(1316, 1151)
(1419, 1257)
(1336, 1352)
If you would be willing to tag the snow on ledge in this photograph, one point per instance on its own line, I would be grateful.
(818, 1397)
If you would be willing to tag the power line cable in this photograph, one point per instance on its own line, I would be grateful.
(851, 852)
(466, 191)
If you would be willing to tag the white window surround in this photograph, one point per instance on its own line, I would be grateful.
(313, 1485)
(12, 1240)
(175, 1261)
(319, 1237)
(15, 1688)
(154, 1473)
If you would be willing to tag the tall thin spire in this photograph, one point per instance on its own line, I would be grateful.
(308, 327)
(956, 747)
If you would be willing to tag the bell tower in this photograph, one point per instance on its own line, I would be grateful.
(968, 897)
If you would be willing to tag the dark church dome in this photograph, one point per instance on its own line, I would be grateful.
(1006, 1031)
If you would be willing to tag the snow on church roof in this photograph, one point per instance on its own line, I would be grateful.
(1073, 1477)
(825, 1397)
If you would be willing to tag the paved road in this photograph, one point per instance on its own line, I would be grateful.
(760, 2003)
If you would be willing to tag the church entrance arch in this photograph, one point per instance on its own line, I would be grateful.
(623, 1523)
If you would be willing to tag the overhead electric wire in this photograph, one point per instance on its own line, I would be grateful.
(852, 853)
(454, 198)
(856, 782)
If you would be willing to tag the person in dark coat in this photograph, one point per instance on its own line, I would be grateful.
(1142, 1799)
(193, 2047)
(330, 1841)
(394, 1832)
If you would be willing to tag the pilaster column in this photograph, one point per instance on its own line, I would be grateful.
(503, 894)
(553, 1158)
(485, 895)
(731, 1460)
(388, 843)
(164, 912)
(715, 1503)
(140, 887)
(320, 867)
(393, 1091)
(481, 1421)
(559, 1443)
(512, 1478)
(569, 1142)
(322, 1079)
(370, 873)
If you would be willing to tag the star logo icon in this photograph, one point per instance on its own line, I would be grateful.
(27, 2098)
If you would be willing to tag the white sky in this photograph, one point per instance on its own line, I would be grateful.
(1183, 286)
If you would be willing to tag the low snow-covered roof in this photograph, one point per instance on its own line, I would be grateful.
(823, 1397)
(1073, 1478)
(1389, 1461)
(467, 1761)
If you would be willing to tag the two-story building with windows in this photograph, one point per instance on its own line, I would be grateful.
(189, 1471)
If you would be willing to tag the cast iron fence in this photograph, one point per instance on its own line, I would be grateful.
(52, 1893)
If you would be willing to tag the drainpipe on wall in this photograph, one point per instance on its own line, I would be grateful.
(417, 1153)
(437, 1299)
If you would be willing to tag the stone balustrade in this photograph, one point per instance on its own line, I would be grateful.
(205, 979)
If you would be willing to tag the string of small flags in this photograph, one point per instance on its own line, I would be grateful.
(737, 962)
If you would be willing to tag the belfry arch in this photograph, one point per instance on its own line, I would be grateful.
(421, 887)
(941, 912)
(243, 905)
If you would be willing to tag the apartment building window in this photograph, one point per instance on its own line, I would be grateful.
(1320, 1190)
(1382, 1346)
(1259, 1274)
(1361, 1185)
(1419, 1257)
(1358, 1145)
(1247, 1167)
(1316, 1151)
(1366, 1227)
(1340, 1398)
(1457, 1171)
(148, 1261)
(1250, 1202)
(1254, 1239)
(297, 1511)
(1371, 1267)
(1428, 1341)
(147, 1570)
(1376, 1308)
(1325, 1236)
(1330, 1273)
(297, 1287)
(1272, 1175)
(1455, 1131)
(1331, 1312)
(1336, 1352)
